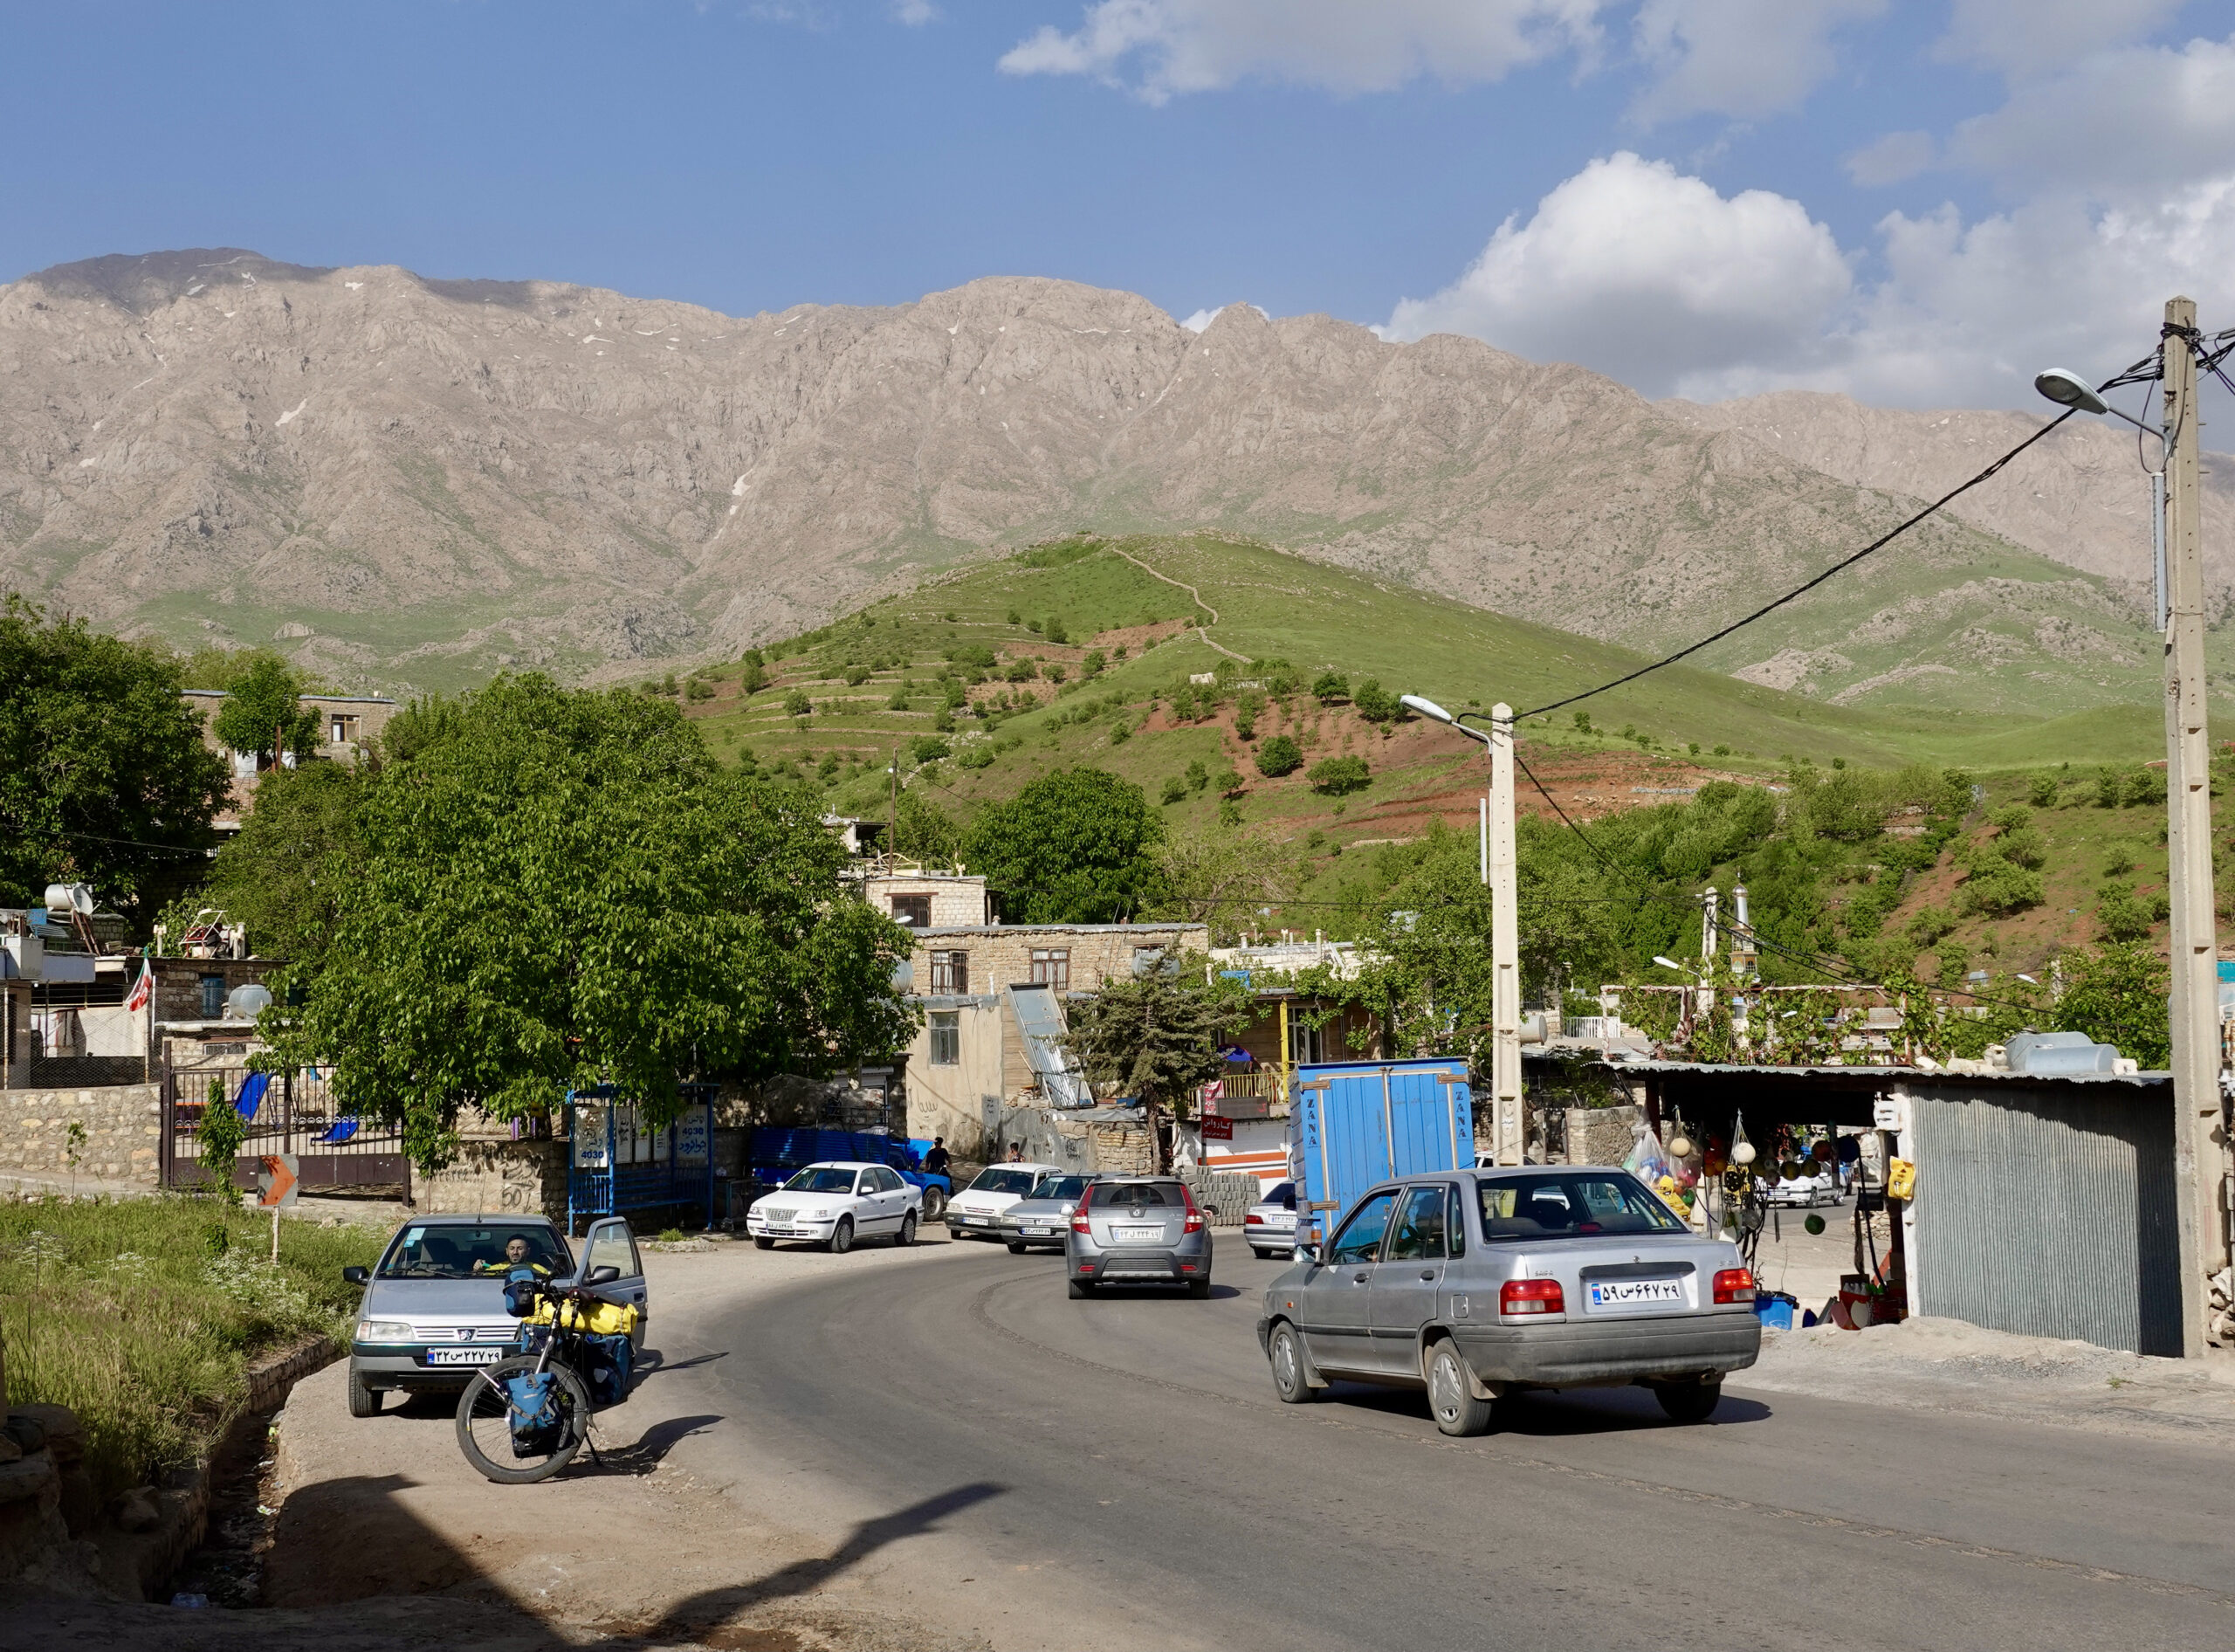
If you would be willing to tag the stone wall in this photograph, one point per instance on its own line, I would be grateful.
(1001, 954)
(514, 1178)
(122, 1125)
(1602, 1135)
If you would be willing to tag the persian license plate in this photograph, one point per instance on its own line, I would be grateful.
(977, 1221)
(1037, 1233)
(465, 1356)
(1138, 1236)
(1628, 1293)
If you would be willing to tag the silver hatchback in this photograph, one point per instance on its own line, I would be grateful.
(1131, 1230)
(1475, 1283)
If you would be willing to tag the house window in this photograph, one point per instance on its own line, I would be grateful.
(213, 997)
(1051, 966)
(345, 729)
(1305, 1044)
(914, 911)
(950, 973)
(946, 1037)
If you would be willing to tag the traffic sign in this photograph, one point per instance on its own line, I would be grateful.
(275, 1183)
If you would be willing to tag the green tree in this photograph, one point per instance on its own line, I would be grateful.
(103, 774)
(220, 1135)
(263, 714)
(1279, 755)
(1375, 703)
(1078, 846)
(1154, 1040)
(1330, 686)
(1337, 777)
(926, 834)
(796, 704)
(558, 889)
(2119, 994)
(283, 875)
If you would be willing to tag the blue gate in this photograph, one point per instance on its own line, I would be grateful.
(617, 1163)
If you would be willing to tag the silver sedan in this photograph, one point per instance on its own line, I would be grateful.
(1475, 1283)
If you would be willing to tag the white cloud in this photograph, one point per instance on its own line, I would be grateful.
(914, 13)
(1892, 158)
(2022, 37)
(1158, 48)
(1741, 58)
(2140, 117)
(1650, 276)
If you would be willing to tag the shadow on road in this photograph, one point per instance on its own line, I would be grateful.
(691, 1619)
(1550, 1415)
(650, 1447)
(654, 1361)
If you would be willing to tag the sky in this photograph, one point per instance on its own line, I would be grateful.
(1918, 201)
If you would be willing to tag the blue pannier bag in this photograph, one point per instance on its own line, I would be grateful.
(611, 1361)
(520, 1292)
(536, 1422)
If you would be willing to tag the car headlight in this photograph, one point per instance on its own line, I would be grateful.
(383, 1330)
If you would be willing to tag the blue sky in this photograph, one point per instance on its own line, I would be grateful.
(1679, 179)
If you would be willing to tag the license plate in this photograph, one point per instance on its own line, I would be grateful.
(1624, 1293)
(1037, 1233)
(1138, 1236)
(465, 1356)
(976, 1222)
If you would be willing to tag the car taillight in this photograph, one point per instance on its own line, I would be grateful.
(1733, 1284)
(1531, 1296)
(1078, 1215)
(1195, 1223)
(1253, 1220)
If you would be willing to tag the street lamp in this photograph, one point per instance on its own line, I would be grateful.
(1500, 875)
(2069, 389)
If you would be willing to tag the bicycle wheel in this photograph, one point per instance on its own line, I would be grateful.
(484, 1422)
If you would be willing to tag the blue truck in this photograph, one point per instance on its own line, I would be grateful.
(1359, 1124)
(774, 1153)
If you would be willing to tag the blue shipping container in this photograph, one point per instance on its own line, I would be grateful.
(1361, 1123)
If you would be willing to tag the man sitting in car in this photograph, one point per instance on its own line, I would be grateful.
(518, 1253)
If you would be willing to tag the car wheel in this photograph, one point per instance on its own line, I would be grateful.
(1081, 1289)
(363, 1401)
(1689, 1402)
(764, 1243)
(1199, 1288)
(841, 1237)
(1286, 1352)
(1017, 1247)
(907, 1231)
(1450, 1396)
(934, 1204)
(1262, 1256)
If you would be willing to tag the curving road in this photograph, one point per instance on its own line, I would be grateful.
(1117, 1473)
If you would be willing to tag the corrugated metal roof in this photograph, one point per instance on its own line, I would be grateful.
(1040, 1018)
(1901, 1075)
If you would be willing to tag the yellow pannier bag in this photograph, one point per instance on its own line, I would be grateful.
(601, 1320)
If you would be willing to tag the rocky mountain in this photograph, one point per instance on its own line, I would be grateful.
(402, 480)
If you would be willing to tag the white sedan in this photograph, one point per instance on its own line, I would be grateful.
(834, 1203)
(1270, 1226)
(975, 1212)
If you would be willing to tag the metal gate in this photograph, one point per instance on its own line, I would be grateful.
(618, 1163)
(289, 1113)
(2050, 1211)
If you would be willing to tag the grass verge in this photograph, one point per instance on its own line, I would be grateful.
(143, 1316)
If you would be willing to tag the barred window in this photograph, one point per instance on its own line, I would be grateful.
(1051, 966)
(946, 1037)
(950, 973)
(914, 911)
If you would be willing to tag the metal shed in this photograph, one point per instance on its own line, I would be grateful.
(2046, 1205)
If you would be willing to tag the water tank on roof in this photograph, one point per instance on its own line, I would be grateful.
(247, 1002)
(2050, 1053)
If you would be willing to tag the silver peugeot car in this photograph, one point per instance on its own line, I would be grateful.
(1136, 1230)
(1475, 1283)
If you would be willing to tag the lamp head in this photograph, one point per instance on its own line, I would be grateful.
(1669, 963)
(2069, 389)
(1425, 707)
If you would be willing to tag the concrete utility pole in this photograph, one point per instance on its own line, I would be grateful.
(1508, 1122)
(2200, 1137)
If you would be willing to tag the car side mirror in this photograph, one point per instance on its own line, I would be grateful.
(357, 1275)
(605, 1275)
(1308, 1253)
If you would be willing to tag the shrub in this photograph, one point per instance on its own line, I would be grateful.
(944, 721)
(1245, 723)
(1056, 631)
(927, 748)
(1331, 686)
(1375, 703)
(2042, 789)
(1198, 776)
(1175, 791)
(1723, 751)
(698, 688)
(857, 675)
(2123, 916)
(899, 700)
(978, 756)
(1999, 887)
(2145, 787)
(1231, 782)
(1016, 617)
(1022, 670)
(1582, 722)
(1279, 755)
(1054, 671)
(1093, 663)
(1339, 775)
(796, 704)
(1121, 731)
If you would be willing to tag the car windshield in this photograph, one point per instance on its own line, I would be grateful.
(470, 1250)
(1059, 1187)
(822, 1180)
(1571, 1205)
(1005, 1181)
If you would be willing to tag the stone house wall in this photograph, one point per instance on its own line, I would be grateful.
(123, 1123)
(1001, 954)
(513, 1178)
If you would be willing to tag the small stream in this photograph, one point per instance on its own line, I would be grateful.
(227, 1570)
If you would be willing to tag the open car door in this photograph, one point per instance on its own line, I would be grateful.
(611, 1244)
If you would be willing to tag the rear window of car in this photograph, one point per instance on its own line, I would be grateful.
(1283, 1195)
(1005, 1181)
(1561, 1205)
(1137, 1193)
(479, 1250)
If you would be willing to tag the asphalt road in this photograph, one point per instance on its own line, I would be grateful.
(1117, 1473)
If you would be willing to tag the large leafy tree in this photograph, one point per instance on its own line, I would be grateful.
(1078, 846)
(284, 875)
(104, 776)
(556, 888)
(263, 712)
(1153, 1040)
